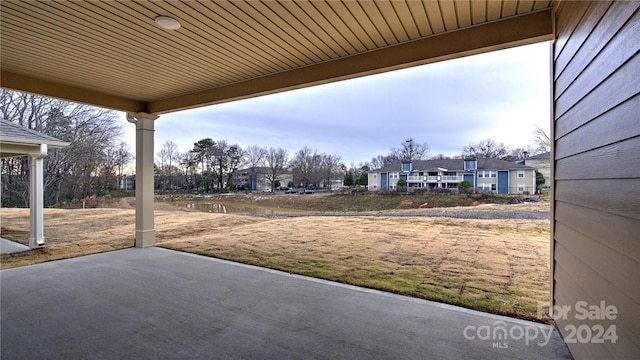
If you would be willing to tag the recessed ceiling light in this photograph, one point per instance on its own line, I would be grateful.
(168, 23)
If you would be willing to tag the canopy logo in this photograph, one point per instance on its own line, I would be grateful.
(500, 334)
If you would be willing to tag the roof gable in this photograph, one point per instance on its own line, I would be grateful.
(17, 134)
(17, 140)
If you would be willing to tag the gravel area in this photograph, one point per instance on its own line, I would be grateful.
(483, 215)
(459, 214)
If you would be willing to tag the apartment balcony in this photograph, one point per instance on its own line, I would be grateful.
(443, 178)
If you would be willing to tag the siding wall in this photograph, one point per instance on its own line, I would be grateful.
(373, 181)
(543, 166)
(596, 131)
(529, 181)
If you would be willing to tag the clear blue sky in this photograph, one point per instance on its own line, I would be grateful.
(501, 95)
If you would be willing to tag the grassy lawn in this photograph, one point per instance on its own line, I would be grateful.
(499, 266)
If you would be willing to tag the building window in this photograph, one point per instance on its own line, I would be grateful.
(493, 187)
(470, 164)
(493, 173)
(520, 173)
(375, 176)
(480, 174)
(520, 187)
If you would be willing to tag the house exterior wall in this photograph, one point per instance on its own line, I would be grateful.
(420, 178)
(596, 189)
(257, 180)
(544, 167)
(529, 181)
(373, 181)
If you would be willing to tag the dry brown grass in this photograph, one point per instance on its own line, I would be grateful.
(500, 266)
(496, 265)
(71, 233)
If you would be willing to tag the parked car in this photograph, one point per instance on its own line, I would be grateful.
(291, 191)
(267, 191)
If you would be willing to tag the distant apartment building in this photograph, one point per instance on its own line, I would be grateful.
(256, 179)
(542, 162)
(126, 182)
(490, 175)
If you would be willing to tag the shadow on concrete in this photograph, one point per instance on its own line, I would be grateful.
(160, 304)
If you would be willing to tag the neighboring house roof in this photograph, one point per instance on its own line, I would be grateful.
(456, 165)
(12, 133)
(543, 156)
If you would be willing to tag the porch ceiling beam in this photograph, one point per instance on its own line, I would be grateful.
(67, 92)
(515, 31)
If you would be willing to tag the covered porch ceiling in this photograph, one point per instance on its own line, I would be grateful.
(112, 54)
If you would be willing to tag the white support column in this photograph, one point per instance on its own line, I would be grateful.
(36, 198)
(145, 231)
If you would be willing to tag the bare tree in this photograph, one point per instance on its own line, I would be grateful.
(440, 157)
(377, 162)
(541, 140)
(189, 163)
(168, 159)
(123, 157)
(84, 168)
(25, 109)
(485, 149)
(330, 168)
(517, 153)
(410, 150)
(306, 166)
(275, 162)
(383, 160)
(253, 157)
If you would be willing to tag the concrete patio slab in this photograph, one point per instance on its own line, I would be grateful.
(10, 247)
(160, 304)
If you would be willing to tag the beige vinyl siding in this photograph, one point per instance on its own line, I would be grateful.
(596, 240)
(544, 167)
(373, 183)
(528, 180)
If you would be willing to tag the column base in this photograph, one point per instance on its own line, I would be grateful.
(145, 238)
(35, 243)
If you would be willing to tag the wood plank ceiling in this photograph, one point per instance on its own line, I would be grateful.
(111, 53)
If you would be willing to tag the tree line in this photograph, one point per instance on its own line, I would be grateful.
(90, 165)
(96, 159)
(210, 166)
